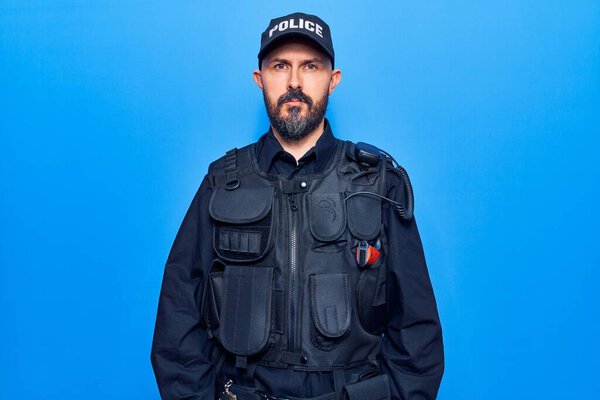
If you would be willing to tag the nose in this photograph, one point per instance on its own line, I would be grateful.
(295, 81)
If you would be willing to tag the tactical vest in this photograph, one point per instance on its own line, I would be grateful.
(286, 288)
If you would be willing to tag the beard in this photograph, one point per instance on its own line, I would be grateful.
(292, 126)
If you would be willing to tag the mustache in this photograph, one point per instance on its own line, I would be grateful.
(294, 95)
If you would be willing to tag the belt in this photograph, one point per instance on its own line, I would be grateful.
(372, 388)
(248, 393)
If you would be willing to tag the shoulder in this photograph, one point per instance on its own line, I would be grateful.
(217, 167)
(396, 183)
(367, 152)
(398, 186)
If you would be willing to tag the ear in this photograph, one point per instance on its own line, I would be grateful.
(257, 76)
(336, 77)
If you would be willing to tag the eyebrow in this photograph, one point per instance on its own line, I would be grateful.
(286, 61)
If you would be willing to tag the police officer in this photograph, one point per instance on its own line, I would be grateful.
(298, 271)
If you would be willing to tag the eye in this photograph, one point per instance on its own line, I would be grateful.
(279, 66)
(311, 66)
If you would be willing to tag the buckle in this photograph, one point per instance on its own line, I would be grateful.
(232, 183)
(227, 392)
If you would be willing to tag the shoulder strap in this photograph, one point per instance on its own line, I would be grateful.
(235, 164)
(232, 180)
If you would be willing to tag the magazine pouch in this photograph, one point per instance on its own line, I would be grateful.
(246, 310)
(243, 222)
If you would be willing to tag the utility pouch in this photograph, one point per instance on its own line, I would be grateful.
(376, 388)
(327, 215)
(330, 308)
(364, 222)
(372, 301)
(364, 215)
(246, 311)
(243, 222)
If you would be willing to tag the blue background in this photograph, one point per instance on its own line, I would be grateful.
(112, 110)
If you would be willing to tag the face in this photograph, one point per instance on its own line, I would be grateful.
(296, 79)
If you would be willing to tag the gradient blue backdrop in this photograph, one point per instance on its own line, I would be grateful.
(111, 111)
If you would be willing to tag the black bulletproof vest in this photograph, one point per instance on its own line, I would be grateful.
(286, 288)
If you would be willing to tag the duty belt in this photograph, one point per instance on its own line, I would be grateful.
(237, 392)
(374, 388)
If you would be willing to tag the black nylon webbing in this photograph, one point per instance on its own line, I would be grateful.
(339, 380)
(232, 180)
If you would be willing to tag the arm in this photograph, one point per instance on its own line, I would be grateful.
(412, 348)
(181, 351)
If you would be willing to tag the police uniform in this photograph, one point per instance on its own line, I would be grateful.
(302, 281)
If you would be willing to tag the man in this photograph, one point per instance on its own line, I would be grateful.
(298, 271)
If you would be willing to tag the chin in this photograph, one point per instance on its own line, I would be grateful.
(294, 111)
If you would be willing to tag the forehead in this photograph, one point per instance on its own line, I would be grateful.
(296, 48)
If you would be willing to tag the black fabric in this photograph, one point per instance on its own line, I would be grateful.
(246, 314)
(330, 303)
(273, 159)
(239, 241)
(360, 205)
(233, 206)
(212, 299)
(327, 215)
(334, 297)
(296, 24)
(249, 393)
(355, 174)
(242, 231)
(372, 303)
(376, 388)
(411, 350)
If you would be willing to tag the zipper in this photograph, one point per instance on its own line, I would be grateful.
(293, 275)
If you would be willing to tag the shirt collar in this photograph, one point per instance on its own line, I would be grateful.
(270, 149)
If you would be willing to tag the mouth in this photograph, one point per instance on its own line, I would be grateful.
(294, 101)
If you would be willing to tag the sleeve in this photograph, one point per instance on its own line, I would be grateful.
(412, 348)
(182, 354)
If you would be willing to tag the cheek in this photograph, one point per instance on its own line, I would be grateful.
(317, 94)
(271, 99)
(272, 93)
(275, 84)
(317, 89)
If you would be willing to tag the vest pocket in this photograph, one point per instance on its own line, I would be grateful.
(245, 321)
(372, 303)
(364, 223)
(364, 216)
(330, 308)
(243, 222)
(327, 215)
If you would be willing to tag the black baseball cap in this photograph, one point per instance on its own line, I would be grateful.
(296, 24)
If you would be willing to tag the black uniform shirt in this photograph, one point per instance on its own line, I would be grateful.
(411, 352)
(273, 159)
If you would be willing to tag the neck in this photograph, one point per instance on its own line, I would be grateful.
(300, 147)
